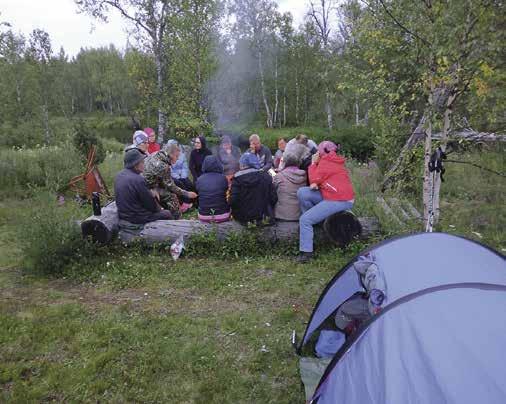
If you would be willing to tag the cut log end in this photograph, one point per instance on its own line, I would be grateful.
(97, 231)
(342, 228)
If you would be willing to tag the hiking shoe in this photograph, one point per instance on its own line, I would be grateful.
(304, 257)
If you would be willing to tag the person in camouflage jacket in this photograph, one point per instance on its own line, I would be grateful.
(158, 177)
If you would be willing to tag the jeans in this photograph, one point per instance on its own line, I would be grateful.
(314, 210)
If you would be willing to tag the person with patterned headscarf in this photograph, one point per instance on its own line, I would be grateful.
(159, 179)
(330, 191)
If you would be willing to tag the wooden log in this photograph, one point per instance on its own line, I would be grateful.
(338, 228)
(104, 228)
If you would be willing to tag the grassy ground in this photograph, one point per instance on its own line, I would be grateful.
(134, 326)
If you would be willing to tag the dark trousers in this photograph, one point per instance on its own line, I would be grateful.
(187, 185)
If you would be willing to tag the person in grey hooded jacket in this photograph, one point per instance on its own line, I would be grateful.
(287, 182)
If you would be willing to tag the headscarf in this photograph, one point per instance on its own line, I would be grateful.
(327, 147)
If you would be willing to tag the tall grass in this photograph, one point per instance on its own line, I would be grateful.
(50, 167)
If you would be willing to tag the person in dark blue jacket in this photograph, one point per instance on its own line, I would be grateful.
(212, 187)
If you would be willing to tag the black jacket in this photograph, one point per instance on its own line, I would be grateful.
(253, 196)
(212, 187)
(197, 159)
(133, 198)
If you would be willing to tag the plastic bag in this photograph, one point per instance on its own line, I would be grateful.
(177, 248)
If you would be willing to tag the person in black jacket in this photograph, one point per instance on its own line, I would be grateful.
(136, 203)
(197, 156)
(253, 195)
(212, 188)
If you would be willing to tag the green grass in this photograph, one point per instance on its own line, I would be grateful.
(132, 325)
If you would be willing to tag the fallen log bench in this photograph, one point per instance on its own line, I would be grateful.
(341, 228)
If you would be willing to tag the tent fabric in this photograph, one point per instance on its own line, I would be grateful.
(412, 263)
(443, 346)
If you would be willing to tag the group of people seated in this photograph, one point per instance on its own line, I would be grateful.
(303, 182)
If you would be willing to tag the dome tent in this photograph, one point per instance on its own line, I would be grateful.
(438, 336)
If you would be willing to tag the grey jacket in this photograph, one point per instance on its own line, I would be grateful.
(287, 183)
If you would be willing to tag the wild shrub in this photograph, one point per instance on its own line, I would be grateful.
(48, 166)
(50, 237)
(84, 138)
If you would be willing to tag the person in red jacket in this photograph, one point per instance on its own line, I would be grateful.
(153, 147)
(330, 191)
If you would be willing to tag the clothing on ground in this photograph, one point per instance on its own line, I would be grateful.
(287, 182)
(211, 187)
(252, 196)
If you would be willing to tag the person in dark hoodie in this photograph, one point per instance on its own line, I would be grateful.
(287, 182)
(252, 195)
(197, 156)
(212, 187)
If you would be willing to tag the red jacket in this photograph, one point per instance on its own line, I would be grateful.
(332, 178)
(153, 147)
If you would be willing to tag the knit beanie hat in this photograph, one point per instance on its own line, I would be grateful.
(140, 137)
(249, 160)
(133, 157)
(149, 131)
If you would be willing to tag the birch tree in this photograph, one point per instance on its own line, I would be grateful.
(149, 19)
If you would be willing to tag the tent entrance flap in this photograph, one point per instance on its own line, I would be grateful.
(311, 371)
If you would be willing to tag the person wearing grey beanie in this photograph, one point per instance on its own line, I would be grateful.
(135, 202)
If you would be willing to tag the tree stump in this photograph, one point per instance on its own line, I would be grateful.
(341, 228)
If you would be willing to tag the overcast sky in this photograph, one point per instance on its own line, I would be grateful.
(71, 30)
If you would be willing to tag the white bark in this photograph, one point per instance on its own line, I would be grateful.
(357, 111)
(444, 142)
(45, 118)
(264, 95)
(276, 107)
(297, 96)
(427, 175)
(162, 116)
(328, 108)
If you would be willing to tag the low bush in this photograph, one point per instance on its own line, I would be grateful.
(48, 166)
(50, 237)
(355, 141)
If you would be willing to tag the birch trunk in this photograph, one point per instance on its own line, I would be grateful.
(276, 107)
(45, 118)
(297, 96)
(357, 111)
(427, 176)
(162, 116)
(284, 107)
(444, 143)
(264, 96)
(328, 108)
